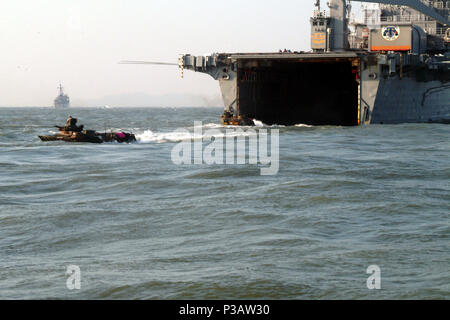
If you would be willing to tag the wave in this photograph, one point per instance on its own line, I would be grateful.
(148, 136)
(258, 123)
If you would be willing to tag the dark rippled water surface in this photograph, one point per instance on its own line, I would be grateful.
(141, 227)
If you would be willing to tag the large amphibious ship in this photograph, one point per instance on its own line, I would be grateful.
(62, 100)
(391, 67)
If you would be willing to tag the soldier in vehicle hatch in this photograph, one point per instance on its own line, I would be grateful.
(71, 125)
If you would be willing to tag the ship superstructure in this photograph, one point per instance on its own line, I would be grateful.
(392, 67)
(437, 33)
(62, 100)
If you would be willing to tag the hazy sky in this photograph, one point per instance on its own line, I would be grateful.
(79, 43)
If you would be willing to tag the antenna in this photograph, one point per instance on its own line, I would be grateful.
(179, 64)
(149, 62)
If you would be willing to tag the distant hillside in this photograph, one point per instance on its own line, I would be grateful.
(140, 99)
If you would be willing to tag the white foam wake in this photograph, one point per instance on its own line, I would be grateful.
(213, 126)
(258, 123)
(149, 136)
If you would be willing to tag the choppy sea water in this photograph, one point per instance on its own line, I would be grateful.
(141, 227)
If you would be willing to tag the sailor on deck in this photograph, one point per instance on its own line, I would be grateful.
(71, 125)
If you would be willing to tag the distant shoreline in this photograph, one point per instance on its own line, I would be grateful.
(110, 107)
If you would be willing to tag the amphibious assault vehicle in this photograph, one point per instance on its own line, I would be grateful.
(89, 136)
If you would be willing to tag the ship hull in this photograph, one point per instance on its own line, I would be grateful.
(62, 105)
(344, 88)
(408, 100)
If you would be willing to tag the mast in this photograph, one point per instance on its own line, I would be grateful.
(338, 14)
(318, 5)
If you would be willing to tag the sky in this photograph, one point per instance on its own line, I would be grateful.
(79, 43)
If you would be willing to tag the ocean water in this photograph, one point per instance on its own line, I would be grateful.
(141, 227)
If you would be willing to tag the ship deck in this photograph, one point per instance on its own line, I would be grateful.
(294, 56)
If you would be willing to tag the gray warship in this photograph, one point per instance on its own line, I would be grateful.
(391, 67)
(62, 100)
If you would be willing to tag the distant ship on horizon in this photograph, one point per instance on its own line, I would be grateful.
(62, 101)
